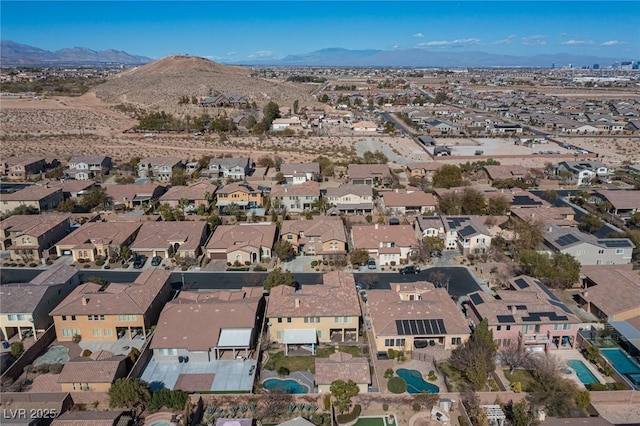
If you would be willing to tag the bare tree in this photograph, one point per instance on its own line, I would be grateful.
(546, 368)
(274, 405)
(514, 357)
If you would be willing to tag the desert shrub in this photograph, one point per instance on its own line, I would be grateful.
(392, 263)
(325, 262)
(385, 407)
(86, 352)
(17, 349)
(247, 263)
(107, 267)
(99, 262)
(81, 260)
(392, 353)
(326, 401)
(388, 373)
(397, 385)
(125, 265)
(416, 406)
(184, 268)
(86, 266)
(283, 371)
(349, 417)
(33, 264)
(314, 263)
(55, 368)
(596, 387)
(259, 268)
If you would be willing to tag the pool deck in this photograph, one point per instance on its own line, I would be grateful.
(567, 354)
(303, 377)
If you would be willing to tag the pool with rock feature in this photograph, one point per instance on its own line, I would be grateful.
(415, 382)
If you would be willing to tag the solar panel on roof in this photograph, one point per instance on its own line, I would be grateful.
(414, 327)
(434, 326)
(521, 283)
(406, 326)
(443, 330)
(565, 240)
(615, 243)
(476, 299)
(420, 325)
(467, 230)
(399, 329)
(503, 319)
(521, 307)
(525, 200)
(560, 305)
(427, 327)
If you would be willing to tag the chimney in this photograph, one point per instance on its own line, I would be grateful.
(550, 229)
(376, 226)
(85, 301)
(297, 302)
(513, 309)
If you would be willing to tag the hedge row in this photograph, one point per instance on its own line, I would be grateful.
(349, 417)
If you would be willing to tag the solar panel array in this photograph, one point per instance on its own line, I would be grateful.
(521, 283)
(421, 327)
(525, 200)
(467, 230)
(615, 243)
(567, 239)
(456, 222)
(552, 316)
(503, 319)
(476, 299)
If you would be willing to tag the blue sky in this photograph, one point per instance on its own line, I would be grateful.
(241, 31)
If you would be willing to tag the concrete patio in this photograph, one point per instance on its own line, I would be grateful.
(121, 346)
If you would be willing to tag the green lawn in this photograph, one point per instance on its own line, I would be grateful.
(523, 376)
(370, 421)
(277, 358)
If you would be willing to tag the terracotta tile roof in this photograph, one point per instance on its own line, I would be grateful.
(237, 237)
(196, 191)
(370, 237)
(404, 198)
(348, 189)
(386, 306)
(310, 188)
(342, 366)
(337, 296)
(113, 233)
(88, 418)
(327, 228)
(503, 172)
(128, 192)
(293, 168)
(429, 166)
(33, 225)
(31, 193)
(87, 370)
(617, 287)
(160, 235)
(621, 199)
(245, 187)
(548, 215)
(180, 322)
(24, 298)
(116, 298)
(362, 171)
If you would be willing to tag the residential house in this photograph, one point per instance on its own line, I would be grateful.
(296, 198)
(586, 248)
(224, 100)
(87, 167)
(28, 238)
(299, 319)
(407, 201)
(350, 199)
(443, 127)
(96, 418)
(624, 203)
(345, 367)
(429, 226)
(507, 172)
(26, 306)
(131, 196)
(245, 243)
(467, 234)
(423, 170)
(233, 321)
(291, 123)
(191, 197)
(528, 316)
(611, 293)
(40, 198)
(296, 173)
(23, 168)
(364, 127)
(242, 194)
(72, 188)
(583, 172)
(322, 236)
(505, 128)
(159, 168)
(107, 312)
(391, 244)
(369, 174)
(184, 239)
(416, 317)
(94, 239)
(559, 216)
(230, 168)
(93, 373)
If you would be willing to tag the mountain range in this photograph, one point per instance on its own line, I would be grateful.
(15, 54)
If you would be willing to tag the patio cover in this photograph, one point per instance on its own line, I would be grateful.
(628, 332)
(302, 336)
(234, 338)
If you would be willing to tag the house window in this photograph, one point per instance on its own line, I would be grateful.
(289, 319)
(579, 252)
(97, 332)
(480, 240)
(279, 334)
(601, 251)
(127, 318)
(64, 318)
(279, 320)
(73, 317)
(506, 342)
(456, 340)
(289, 237)
(525, 329)
(619, 251)
(536, 328)
(67, 332)
(567, 327)
(508, 327)
(400, 342)
(498, 328)
(12, 317)
(107, 332)
(557, 326)
(389, 342)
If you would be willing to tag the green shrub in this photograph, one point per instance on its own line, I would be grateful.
(416, 406)
(107, 267)
(125, 265)
(349, 417)
(388, 373)
(99, 262)
(81, 260)
(462, 421)
(283, 371)
(314, 263)
(17, 349)
(112, 260)
(259, 268)
(33, 264)
(392, 353)
(385, 407)
(616, 386)
(326, 400)
(397, 385)
(596, 387)
(55, 368)
(86, 352)
(86, 266)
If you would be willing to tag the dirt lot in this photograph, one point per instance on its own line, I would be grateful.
(610, 149)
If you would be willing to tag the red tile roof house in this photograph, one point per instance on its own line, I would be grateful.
(198, 194)
(624, 203)
(242, 243)
(316, 313)
(184, 239)
(611, 293)
(131, 196)
(391, 244)
(342, 366)
(94, 373)
(403, 201)
(416, 317)
(528, 316)
(99, 312)
(95, 239)
(28, 238)
(369, 174)
(39, 197)
(323, 237)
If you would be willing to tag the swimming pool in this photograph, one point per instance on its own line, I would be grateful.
(161, 424)
(623, 364)
(583, 373)
(285, 386)
(415, 382)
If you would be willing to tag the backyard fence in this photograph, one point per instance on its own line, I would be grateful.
(31, 354)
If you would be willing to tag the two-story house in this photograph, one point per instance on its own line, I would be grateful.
(244, 243)
(299, 319)
(93, 373)
(423, 170)
(28, 238)
(390, 244)
(296, 198)
(131, 196)
(40, 198)
(87, 167)
(404, 201)
(24, 167)
(94, 239)
(583, 172)
(183, 239)
(107, 312)
(528, 316)
(242, 194)
(323, 236)
(190, 197)
(296, 173)
(467, 234)
(230, 168)
(350, 199)
(586, 248)
(26, 306)
(369, 174)
(159, 168)
(416, 317)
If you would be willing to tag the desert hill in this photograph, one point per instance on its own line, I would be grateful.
(160, 84)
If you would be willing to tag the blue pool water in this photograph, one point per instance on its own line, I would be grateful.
(583, 373)
(623, 364)
(415, 382)
(285, 386)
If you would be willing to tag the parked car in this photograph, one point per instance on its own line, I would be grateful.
(156, 261)
(27, 333)
(371, 264)
(410, 269)
(139, 262)
(436, 253)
